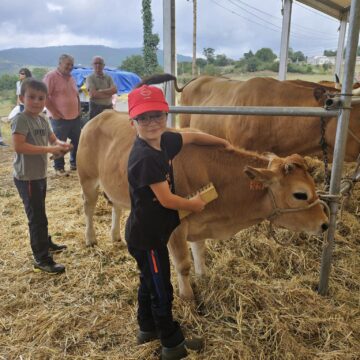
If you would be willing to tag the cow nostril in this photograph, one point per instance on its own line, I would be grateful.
(324, 226)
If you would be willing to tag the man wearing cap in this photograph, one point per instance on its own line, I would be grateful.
(101, 88)
(154, 215)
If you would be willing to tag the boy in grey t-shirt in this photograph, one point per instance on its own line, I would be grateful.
(31, 134)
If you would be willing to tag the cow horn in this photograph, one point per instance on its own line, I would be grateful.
(288, 168)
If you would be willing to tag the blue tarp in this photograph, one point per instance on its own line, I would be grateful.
(124, 80)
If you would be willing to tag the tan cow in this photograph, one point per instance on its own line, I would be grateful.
(279, 134)
(286, 195)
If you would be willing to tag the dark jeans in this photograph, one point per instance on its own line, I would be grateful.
(63, 130)
(96, 109)
(155, 295)
(33, 193)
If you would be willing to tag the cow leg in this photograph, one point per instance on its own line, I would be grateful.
(180, 255)
(198, 249)
(115, 224)
(90, 195)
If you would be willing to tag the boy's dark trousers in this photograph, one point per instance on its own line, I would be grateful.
(155, 295)
(33, 193)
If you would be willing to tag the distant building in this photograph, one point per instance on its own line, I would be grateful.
(321, 60)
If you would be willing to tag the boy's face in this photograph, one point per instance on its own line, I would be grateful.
(34, 101)
(150, 125)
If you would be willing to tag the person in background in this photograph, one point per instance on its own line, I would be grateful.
(101, 88)
(154, 216)
(24, 73)
(63, 104)
(31, 134)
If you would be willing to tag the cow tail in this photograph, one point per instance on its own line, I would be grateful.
(161, 78)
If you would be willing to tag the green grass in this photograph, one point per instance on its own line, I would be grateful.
(7, 102)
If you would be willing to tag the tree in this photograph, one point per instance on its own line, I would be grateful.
(265, 55)
(298, 56)
(135, 64)
(248, 55)
(151, 40)
(252, 64)
(222, 60)
(329, 52)
(39, 73)
(209, 53)
(8, 82)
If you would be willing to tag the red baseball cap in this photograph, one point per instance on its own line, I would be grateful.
(146, 98)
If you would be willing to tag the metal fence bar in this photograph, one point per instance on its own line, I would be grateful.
(340, 141)
(254, 110)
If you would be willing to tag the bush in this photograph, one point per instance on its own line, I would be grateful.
(212, 70)
(8, 82)
(301, 69)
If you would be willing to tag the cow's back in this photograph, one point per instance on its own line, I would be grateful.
(103, 152)
(279, 134)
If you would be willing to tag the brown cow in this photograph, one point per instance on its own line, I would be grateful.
(279, 134)
(286, 196)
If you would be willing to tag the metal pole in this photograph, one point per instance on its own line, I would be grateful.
(340, 47)
(340, 141)
(285, 35)
(169, 50)
(255, 110)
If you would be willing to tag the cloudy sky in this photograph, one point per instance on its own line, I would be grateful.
(231, 27)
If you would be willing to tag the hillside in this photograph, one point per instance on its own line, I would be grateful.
(12, 59)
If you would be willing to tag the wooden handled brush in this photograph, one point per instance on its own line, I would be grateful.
(207, 193)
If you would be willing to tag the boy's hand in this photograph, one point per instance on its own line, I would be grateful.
(197, 203)
(59, 150)
(64, 145)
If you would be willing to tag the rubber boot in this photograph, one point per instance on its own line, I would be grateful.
(179, 351)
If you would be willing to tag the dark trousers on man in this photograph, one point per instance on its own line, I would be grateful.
(96, 109)
(67, 129)
(33, 193)
(155, 295)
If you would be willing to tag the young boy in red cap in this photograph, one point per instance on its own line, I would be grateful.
(154, 215)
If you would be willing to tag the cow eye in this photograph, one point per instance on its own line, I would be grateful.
(300, 196)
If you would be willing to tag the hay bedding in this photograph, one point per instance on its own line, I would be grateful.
(257, 302)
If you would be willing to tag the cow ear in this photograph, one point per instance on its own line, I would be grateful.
(264, 176)
(319, 94)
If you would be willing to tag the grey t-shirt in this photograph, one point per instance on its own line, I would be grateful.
(97, 82)
(37, 132)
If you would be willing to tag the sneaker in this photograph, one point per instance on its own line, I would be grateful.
(179, 351)
(61, 172)
(73, 167)
(3, 144)
(49, 266)
(146, 336)
(55, 247)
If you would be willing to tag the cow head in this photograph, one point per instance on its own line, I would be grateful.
(292, 201)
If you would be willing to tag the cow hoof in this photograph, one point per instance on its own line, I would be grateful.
(91, 243)
(119, 243)
(187, 295)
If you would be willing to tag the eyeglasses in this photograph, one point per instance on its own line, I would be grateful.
(98, 63)
(21, 73)
(145, 120)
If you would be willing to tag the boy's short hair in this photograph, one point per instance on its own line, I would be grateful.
(33, 84)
